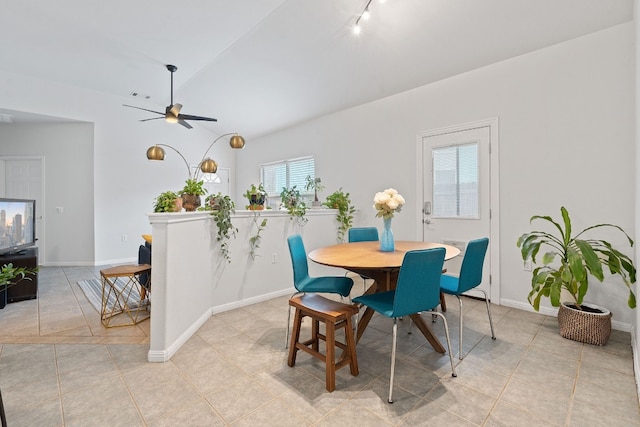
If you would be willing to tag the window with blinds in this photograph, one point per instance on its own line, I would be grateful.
(455, 181)
(287, 173)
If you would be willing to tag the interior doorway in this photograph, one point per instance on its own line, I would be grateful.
(24, 179)
(458, 190)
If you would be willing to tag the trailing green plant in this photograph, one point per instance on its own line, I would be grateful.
(315, 185)
(577, 258)
(342, 202)
(10, 275)
(221, 208)
(192, 186)
(168, 201)
(294, 204)
(254, 241)
(256, 196)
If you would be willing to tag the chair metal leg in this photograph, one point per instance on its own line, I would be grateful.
(486, 300)
(446, 332)
(461, 320)
(393, 358)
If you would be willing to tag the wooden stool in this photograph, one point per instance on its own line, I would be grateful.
(334, 315)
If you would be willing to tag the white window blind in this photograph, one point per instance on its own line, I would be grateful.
(287, 173)
(455, 181)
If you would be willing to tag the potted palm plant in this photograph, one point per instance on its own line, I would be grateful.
(569, 262)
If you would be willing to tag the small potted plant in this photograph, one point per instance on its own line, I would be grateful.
(256, 196)
(314, 184)
(221, 208)
(294, 204)
(168, 201)
(342, 202)
(191, 193)
(568, 265)
(10, 276)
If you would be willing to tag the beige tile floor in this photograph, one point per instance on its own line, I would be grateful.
(60, 367)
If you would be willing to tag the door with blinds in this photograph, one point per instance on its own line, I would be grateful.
(456, 201)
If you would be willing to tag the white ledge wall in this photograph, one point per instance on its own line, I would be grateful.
(191, 280)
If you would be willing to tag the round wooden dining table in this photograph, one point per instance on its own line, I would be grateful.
(366, 259)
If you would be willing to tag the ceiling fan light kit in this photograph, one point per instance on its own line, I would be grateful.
(172, 112)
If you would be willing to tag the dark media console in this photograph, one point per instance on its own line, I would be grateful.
(24, 289)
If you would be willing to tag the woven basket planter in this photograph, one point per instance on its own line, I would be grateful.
(584, 326)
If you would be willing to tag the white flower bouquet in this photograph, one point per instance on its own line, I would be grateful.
(387, 203)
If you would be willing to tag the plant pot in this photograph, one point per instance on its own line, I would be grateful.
(190, 202)
(3, 296)
(177, 204)
(256, 202)
(585, 326)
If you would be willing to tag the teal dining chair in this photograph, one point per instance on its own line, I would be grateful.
(417, 289)
(363, 234)
(469, 278)
(303, 283)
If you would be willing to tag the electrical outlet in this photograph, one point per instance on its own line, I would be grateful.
(274, 258)
(527, 265)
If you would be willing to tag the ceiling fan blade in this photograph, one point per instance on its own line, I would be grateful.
(154, 118)
(175, 109)
(143, 109)
(185, 124)
(190, 117)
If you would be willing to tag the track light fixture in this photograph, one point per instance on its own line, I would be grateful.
(364, 16)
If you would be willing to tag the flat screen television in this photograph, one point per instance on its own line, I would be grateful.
(17, 225)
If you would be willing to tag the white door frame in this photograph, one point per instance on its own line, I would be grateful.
(494, 188)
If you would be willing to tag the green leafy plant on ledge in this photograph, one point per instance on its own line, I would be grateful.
(257, 197)
(221, 208)
(293, 202)
(191, 193)
(168, 201)
(315, 185)
(342, 202)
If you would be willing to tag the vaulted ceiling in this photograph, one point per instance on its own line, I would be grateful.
(263, 65)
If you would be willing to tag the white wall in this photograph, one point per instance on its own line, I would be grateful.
(125, 182)
(566, 138)
(68, 184)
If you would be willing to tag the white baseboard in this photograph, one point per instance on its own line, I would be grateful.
(166, 354)
(636, 360)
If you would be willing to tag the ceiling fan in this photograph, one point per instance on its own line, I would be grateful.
(172, 112)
